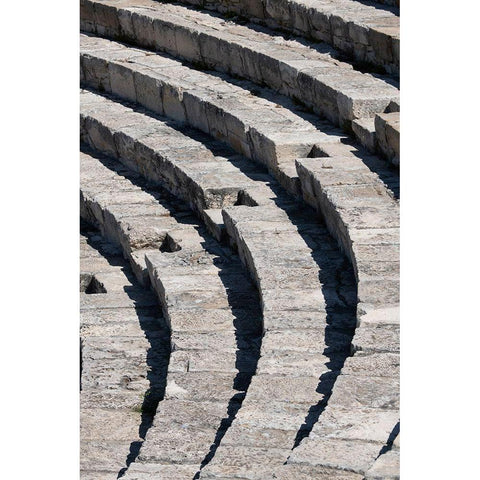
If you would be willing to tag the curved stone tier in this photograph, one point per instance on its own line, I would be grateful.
(308, 73)
(310, 360)
(109, 125)
(125, 348)
(308, 301)
(201, 170)
(225, 110)
(209, 304)
(357, 29)
(365, 220)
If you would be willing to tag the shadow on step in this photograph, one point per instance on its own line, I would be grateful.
(391, 438)
(307, 41)
(244, 302)
(156, 332)
(387, 173)
(339, 290)
(242, 297)
(381, 6)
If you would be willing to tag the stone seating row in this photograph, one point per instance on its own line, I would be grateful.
(112, 119)
(124, 356)
(357, 29)
(209, 304)
(307, 73)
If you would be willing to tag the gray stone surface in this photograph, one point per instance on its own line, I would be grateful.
(274, 357)
(387, 131)
(123, 357)
(355, 456)
(222, 361)
(386, 467)
(364, 218)
(306, 73)
(357, 29)
(225, 110)
(280, 398)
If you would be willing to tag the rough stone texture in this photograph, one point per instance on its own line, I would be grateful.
(387, 129)
(276, 358)
(331, 87)
(124, 355)
(364, 218)
(360, 30)
(364, 130)
(386, 467)
(226, 111)
(222, 361)
(274, 403)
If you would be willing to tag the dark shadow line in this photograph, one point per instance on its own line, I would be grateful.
(381, 6)
(248, 335)
(340, 329)
(157, 334)
(300, 215)
(322, 47)
(242, 297)
(391, 438)
(341, 311)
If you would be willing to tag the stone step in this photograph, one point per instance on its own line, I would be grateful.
(108, 210)
(364, 219)
(222, 107)
(351, 455)
(284, 391)
(387, 130)
(119, 365)
(307, 73)
(211, 280)
(364, 130)
(159, 471)
(202, 172)
(386, 467)
(380, 134)
(252, 236)
(357, 29)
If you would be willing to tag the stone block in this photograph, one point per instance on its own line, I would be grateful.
(353, 392)
(351, 455)
(149, 91)
(372, 425)
(386, 467)
(376, 364)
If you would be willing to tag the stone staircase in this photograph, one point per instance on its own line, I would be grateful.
(242, 158)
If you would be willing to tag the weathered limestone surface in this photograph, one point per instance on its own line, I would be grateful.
(387, 128)
(303, 245)
(281, 361)
(330, 87)
(276, 297)
(358, 29)
(308, 320)
(215, 354)
(364, 130)
(365, 220)
(386, 467)
(161, 153)
(124, 356)
(227, 111)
